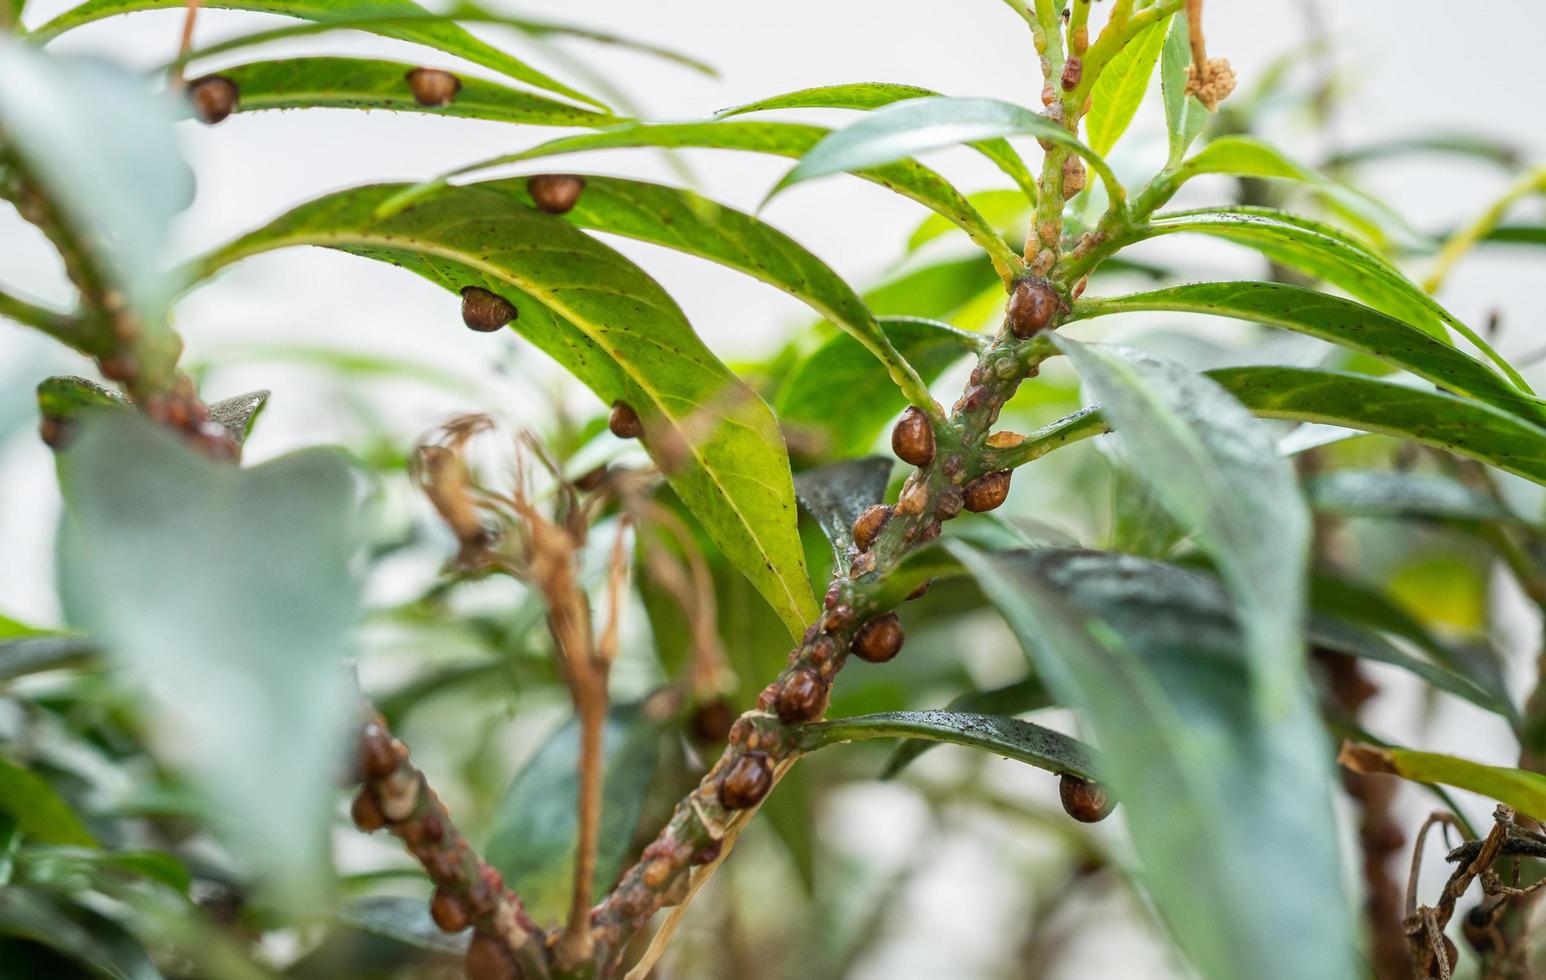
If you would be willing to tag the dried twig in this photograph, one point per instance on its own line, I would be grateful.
(186, 44)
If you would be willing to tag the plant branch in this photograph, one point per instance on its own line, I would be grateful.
(468, 891)
(63, 327)
(186, 43)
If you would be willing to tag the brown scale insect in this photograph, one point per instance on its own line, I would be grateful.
(214, 97)
(1085, 801)
(555, 193)
(913, 438)
(879, 639)
(624, 421)
(1073, 71)
(366, 812)
(484, 311)
(986, 492)
(447, 911)
(1031, 307)
(868, 525)
(802, 698)
(747, 782)
(433, 87)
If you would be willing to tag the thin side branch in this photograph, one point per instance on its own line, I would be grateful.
(468, 892)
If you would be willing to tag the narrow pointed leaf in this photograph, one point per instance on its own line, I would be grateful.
(875, 95)
(1352, 401)
(442, 35)
(1319, 250)
(535, 830)
(905, 129)
(238, 413)
(1243, 156)
(1117, 93)
(1523, 790)
(364, 83)
(690, 223)
(1218, 473)
(614, 328)
(907, 177)
(999, 734)
(1339, 321)
(1012, 699)
(1185, 116)
(1208, 783)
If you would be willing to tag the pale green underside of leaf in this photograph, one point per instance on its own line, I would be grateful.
(1339, 321)
(1320, 250)
(443, 35)
(100, 143)
(875, 95)
(900, 131)
(1217, 472)
(1382, 493)
(1185, 117)
(228, 547)
(615, 329)
(1208, 784)
(1012, 738)
(1121, 87)
(908, 177)
(362, 83)
(690, 223)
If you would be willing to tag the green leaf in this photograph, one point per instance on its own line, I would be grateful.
(14, 629)
(1209, 783)
(40, 813)
(1009, 737)
(615, 329)
(1117, 93)
(362, 83)
(1185, 116)
(907, 177)
(1339, 321)
(1003, 209)
(100, 144)
(535, 834)
(442, 34)
(1243, 156)
(1371, 405)
(837, 493)
(68, 397)
(1327, 253)
(875, 95)
(462, 13)
(1218, 473)
(1517, 235)
(1011, 699)
(1353, 401)
(902, 130)
(842, 397)
(1381, 493)
(693, 224)
(1477, 146)
(1524, 791)
(228, 548)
